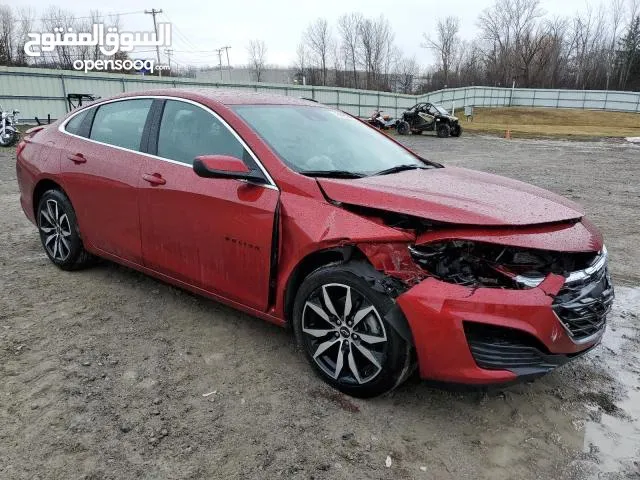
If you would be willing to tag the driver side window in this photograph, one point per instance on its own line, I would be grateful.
(188, 131)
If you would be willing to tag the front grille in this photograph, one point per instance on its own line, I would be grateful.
(501, 348)
(582, 305)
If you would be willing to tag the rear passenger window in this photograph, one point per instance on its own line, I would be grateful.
(73, 125)
(188, 131)
(121, 123)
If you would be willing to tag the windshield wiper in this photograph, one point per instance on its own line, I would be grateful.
(399, 168)
(331, 173)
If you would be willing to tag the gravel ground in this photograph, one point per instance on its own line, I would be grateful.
(104, 372)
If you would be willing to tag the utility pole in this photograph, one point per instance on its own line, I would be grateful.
(154, 12)
(226, 49)
(169, 52)
(219, 52)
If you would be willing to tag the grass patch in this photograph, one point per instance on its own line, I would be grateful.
(553, 122)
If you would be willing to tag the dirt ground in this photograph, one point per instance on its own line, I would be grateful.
(104, 372)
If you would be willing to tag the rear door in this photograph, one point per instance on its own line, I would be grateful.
(101, 172)
(213, 233)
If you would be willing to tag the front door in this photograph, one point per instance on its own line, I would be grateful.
(212, 233)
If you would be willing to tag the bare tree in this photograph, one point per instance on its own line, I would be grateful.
(257, 51)
(349, 27)
(7, 34)
(318, 39)
(445, 45)
(376, 41)
(406, 72)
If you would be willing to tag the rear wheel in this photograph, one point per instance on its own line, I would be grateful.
(8, 138)
(59, 232)
(443, 130)
(403, 127)
(340, 322)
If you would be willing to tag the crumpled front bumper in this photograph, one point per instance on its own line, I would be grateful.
(449, 321)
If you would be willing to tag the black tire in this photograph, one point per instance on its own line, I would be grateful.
(13, 139)
(443, 130)
(392, 353)
(456, 131)
(59, 232)
(403, 127)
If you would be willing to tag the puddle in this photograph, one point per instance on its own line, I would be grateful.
(614, 438)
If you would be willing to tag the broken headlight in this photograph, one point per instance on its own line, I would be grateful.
(476, 264)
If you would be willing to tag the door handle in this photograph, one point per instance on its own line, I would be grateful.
(153, 178)
(77, 158)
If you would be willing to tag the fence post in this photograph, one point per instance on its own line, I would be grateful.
(313, 93)
(123, 86)
(64, 94)
(533, 100)
(558, 99)
(606, 99)
(359, 105)
(395, 114)
(338, 99)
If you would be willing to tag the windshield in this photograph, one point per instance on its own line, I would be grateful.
(314, 140)
(441, 110)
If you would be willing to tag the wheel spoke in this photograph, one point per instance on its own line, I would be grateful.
(55, 247)
(324, 346)
(65, 243)
(360, 314)
(318, 332)
(47, 229)
(371, 339)
(339, 363)
(367, 353)
(52, 215)
(327, 301)
(64, 223)
(49, 238)
(46, 216)
(321, 313)
(347, 304)
(353, 367)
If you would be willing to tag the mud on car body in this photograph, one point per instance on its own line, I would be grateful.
(380, 261)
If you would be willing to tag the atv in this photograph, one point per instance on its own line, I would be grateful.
(383, 122)
(429, 117)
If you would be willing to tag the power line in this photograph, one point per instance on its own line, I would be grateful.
(114, 14)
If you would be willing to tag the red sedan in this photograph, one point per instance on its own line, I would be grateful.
(380, 260)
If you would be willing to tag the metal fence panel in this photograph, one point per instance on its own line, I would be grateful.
(38, 92)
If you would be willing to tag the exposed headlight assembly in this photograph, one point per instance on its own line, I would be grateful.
(477, 264)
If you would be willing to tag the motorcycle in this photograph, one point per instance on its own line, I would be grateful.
(383, 122)
(8, 128)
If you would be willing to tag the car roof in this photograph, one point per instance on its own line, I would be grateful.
(226, 96)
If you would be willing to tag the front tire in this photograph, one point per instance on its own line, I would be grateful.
(456, 131)
(340, 323)
(59, 232)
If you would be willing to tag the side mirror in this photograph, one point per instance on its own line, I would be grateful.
(224, 166)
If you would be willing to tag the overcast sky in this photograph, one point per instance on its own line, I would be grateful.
(202, 26)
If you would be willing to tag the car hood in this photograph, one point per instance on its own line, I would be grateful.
(454, 195)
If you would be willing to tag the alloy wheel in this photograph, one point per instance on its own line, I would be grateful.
(344, 334)
(56, 229)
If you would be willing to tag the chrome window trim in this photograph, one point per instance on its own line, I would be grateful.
(61, 128)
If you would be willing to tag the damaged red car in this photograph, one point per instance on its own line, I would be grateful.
(379, 260)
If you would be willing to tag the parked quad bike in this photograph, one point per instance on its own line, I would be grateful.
(383, 122)
(8, 132)
(425, 117)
